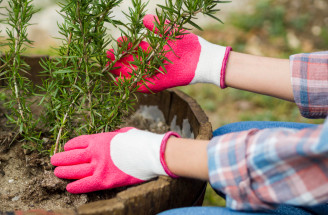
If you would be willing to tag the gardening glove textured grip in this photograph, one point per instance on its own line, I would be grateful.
(107, 160)
(194, 60)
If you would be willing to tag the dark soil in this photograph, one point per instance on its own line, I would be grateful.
(27, 179)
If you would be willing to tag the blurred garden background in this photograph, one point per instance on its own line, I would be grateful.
(273, 28)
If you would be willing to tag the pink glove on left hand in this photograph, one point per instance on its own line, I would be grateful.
(194, 60)
(107, 160)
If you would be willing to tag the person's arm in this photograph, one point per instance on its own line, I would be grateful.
(262, 75)
(303, 79)
(258, 169)
(187, 157)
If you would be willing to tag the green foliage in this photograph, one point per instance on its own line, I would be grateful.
(274, 22)
(265, 15)
(324, 36)
(79, 95)
(19, 13)
(212, 198)
(1, 22)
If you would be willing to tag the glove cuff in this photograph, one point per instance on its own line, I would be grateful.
(212, 62)
(224, 67)
(162, 152)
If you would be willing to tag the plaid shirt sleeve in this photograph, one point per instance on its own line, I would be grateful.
(310, 83)
(258, 169)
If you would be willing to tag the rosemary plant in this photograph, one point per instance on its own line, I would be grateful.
(18, 15)
(79, 95)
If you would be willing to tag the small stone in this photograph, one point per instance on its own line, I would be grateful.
(11, 180)
(27, 151)
(45, 140)
(16, 198)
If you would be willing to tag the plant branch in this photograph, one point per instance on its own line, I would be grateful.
(17, 41)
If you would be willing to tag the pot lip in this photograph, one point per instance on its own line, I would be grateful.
(205, 133)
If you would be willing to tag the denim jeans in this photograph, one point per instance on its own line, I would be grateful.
(281, 209)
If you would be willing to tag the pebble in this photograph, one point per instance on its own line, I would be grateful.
(11, 180)
(27, 151)
(16, 198)
(45, 140)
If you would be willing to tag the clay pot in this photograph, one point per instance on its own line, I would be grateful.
(157, 195)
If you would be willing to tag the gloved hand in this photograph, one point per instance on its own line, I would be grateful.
(107, 160)
(194, 60)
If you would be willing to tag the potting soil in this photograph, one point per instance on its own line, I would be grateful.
(27, 179)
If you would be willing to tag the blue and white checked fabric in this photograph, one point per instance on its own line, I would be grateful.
(310, 83)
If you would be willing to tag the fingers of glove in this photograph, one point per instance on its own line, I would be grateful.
(151, 85)
(80, 142)
(123, 67)
(144, 46)
(123, 41)
(122, 70)
(84, 185)
(125, 64)
(149, 88)
(149, 21)
(72, 157)
(110, 54)
(74, 172)
(128, 60)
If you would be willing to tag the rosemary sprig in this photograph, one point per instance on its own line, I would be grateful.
(18, 14)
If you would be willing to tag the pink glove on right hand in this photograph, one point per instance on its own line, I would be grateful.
(114, 159)
(194, 60)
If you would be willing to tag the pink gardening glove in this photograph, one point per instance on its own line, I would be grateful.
(114, 159)
(194, 60)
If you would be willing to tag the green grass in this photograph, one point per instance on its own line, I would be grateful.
(213, 199)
